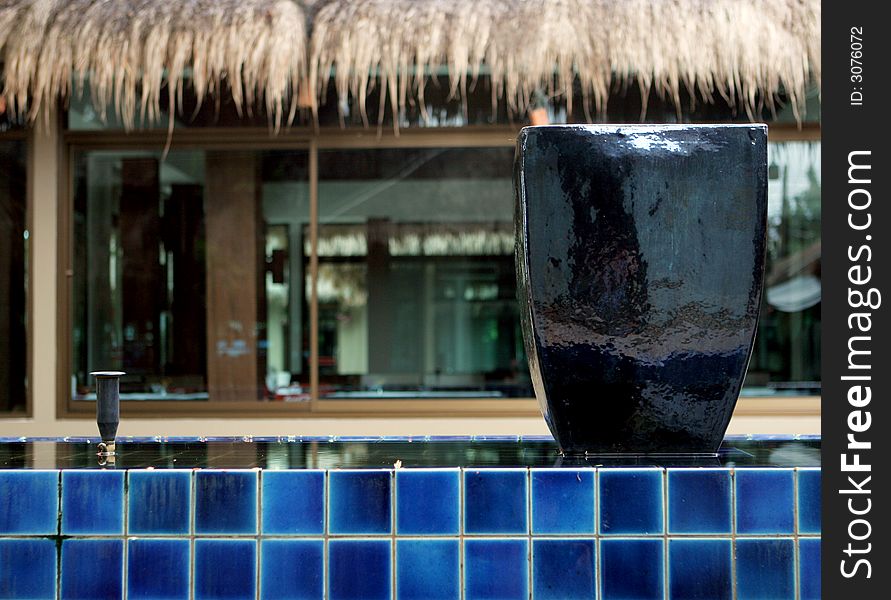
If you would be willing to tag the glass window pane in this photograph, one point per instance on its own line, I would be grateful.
(787, 348)
(183, 274)
(285, 209)
(416, 275)
(13, 276)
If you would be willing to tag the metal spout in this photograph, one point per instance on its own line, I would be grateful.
(108, 408)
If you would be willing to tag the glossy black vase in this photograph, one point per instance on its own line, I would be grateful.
(640, 260)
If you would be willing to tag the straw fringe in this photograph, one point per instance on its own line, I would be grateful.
(127, 51)
(744, 51)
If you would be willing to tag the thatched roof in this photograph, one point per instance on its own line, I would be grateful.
(746, 51)
(129, 49)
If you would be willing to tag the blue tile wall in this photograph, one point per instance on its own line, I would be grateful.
(292, 569)
(359, 569)
(158, 568)
(699, 501)
(553, 490)
(606, 533)
(496, 569)
(810, 503)
(225, 568)
(359, 502)
(428, 569)
(765, 569)
(563, 568)
(809, 568)
(765, 501)
(41, 488)
(700, 568)
(27, 568)
(495, 501)
(83, 492)
(632, 568)
(226, 502)
(293, 502)
(92, 569)
(159, 501)
(427, 501)
(631, 501)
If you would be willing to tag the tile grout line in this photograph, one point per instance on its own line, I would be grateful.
(258, 528)
(598, 576)
(125, 593)
(193, 504)
(326, 571)
(530, 556)
(795, 528)
(59, 536)
(666, 580)
(461, 517)
(733, 535)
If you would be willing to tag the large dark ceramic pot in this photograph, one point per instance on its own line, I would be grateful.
(640, 260)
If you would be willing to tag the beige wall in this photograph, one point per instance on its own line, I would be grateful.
(789, 416)
(777, 424)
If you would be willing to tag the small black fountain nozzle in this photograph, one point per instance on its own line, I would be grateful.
(108, 407)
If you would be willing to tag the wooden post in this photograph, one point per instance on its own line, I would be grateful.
(231, 218)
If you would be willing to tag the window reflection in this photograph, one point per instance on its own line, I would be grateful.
(192, 274)
(416, 276)
(787, 348)
(184, 275)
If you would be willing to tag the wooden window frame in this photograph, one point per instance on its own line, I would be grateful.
(312, 141)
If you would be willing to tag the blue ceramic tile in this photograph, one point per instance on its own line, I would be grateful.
(810, 504)
(225, 501)
(765, 569)
(293, 502)
(631, 501)
(292, 569)
(764, 501)
(631, 568)
(225, 569)
(699, 501)
(359, 502)
(158, 569)
(27, 568)
(809, 568)
(496, 569)
(563, 569)
(83, 492)
(359, 569)
(699, 569)
(495, 501)
(427, 570)
(92, 569)
(158, 501)
(427, 501)
(41, 488)
(562, 501)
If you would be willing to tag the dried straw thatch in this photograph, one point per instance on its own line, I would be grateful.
(743, 50)
(127, 50)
